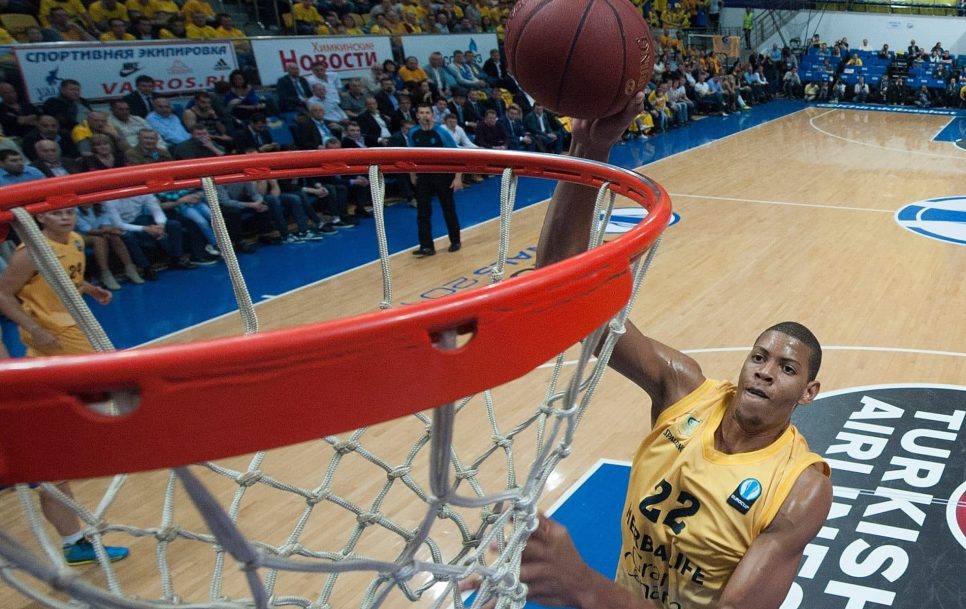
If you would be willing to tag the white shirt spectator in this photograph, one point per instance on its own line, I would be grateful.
(123, 212)
(460, 137)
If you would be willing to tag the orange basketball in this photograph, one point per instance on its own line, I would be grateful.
(579, 58)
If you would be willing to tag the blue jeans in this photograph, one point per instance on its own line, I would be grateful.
(200, 214)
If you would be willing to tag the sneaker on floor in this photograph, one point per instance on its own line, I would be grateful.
(211, 250)
(326, 229)
(206, 261)
(423, 252)
(290, 238)
(82, 553)
(183, 264)
(343, 224)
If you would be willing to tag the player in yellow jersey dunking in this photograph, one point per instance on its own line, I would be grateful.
(724, 493)
(48, 329)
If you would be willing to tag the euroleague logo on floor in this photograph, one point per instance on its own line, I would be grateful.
(898, 517)
(943, 218)
(623, 219)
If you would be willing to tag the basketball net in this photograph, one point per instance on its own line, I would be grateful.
(470, 504)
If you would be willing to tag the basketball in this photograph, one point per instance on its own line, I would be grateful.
(579, 58)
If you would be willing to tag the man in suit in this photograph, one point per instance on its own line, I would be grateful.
(545, 129)
(311, 131)
(465, 113)
(256, 135)
(198, 146)
(405, 112)
(69, 108)
(141, 100)
(386, 98)
(293, 89)
(495, 102)
(517, 136)
(442, 76)
(48, 129)
(374, 125)
(50, 162)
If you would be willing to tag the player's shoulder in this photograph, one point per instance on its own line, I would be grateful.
(807, 504)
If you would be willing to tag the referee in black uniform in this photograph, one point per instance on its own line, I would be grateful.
(429, 135)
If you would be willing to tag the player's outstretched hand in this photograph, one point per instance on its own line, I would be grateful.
(598, 134)
(101, 295)
(552, 567)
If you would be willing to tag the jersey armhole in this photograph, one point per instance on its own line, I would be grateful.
(785, 488)
(681, 406)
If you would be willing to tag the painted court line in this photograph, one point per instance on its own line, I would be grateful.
(812, 124)
(786, 203)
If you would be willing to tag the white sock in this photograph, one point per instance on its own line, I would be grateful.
(69, 540)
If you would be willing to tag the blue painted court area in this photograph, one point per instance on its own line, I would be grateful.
(182, 299)
(953, 132)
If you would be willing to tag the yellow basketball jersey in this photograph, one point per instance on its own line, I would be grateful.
(691, 511)
(39, 300)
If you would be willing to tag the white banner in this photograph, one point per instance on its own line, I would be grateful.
(347, 56)
(422, 46)
(108, 69)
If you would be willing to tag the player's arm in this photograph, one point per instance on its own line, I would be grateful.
(19, 271)
(767, 570)
(664, 373)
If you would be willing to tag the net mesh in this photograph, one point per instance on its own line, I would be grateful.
(322, 536)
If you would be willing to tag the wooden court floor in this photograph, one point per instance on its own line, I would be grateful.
(791, 220)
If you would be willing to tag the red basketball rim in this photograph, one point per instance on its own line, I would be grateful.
(218, 398)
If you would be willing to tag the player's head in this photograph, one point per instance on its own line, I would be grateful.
(59, 220)
(424, 114)
(778, 375)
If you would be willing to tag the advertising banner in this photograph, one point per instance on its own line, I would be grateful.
(347, 56)
(109, 69)
(422, 46)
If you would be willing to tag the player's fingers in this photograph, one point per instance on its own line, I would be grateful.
(470, 583)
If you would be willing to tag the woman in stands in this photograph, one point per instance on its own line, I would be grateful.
(102, 155)
(242, 100)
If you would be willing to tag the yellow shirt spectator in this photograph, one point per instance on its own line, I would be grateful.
(324, 30)
(5, 37)
(354, 31)
(101, 14)
(74, 8)
(378, 29)
(301, 12)
(197, 6)
(234, 32)
(855, 61)
(200, 32)
(111, 37)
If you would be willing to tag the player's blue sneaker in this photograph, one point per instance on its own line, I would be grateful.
(82, 553)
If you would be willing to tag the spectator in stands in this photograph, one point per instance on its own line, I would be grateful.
(49, 160)
(405, 113)
(203, 112)
(465, 112)
(148, 149)
(465, 76)
(885, 53)
(242, 100)
(459, 136)
(48, 129)
(792, 84)
(391, 70)
(440, 111)
(374, 125)
(117, 30)
(144, 29)
(333, 111)
(14, 170)
(226, 27)
(102, 155)
(546, 130)
(838, 92)
(354, 101)
(897, 90)
(491, 133)
(306, 17)
(292, 89)
(371, 82)
(63, 28)
(199, 145)
(855, 60)
(96, 122)
(189, 7)
(141, 100)
(103, 11)
(242, 199)
(287, 195)
(175, 29)
(705, 99)
(496, 103)
(495, 69)
(679, 102)
(866, 46)
(189, 207)
(125, 124)
(198, 28)
(68, 107)
(913, 49)
(860, 91)
(16, 118)
(143, 217)
(103, 237)
(811, 91)
(256, 135)
(386, 98)
(311, 131)
(321, 74)
(353, 137)
(411, 73)
(923, 98)
(166, 123)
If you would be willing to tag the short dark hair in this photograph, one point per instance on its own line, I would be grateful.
(67, 82)
(143, 78)
(6, 153)
(424, 104)
(258, 117)
(803, 334)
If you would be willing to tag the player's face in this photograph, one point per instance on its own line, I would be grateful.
(61, 220)
(773, 380)
(425, 115)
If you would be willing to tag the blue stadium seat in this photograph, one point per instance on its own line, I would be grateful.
(280, 131)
